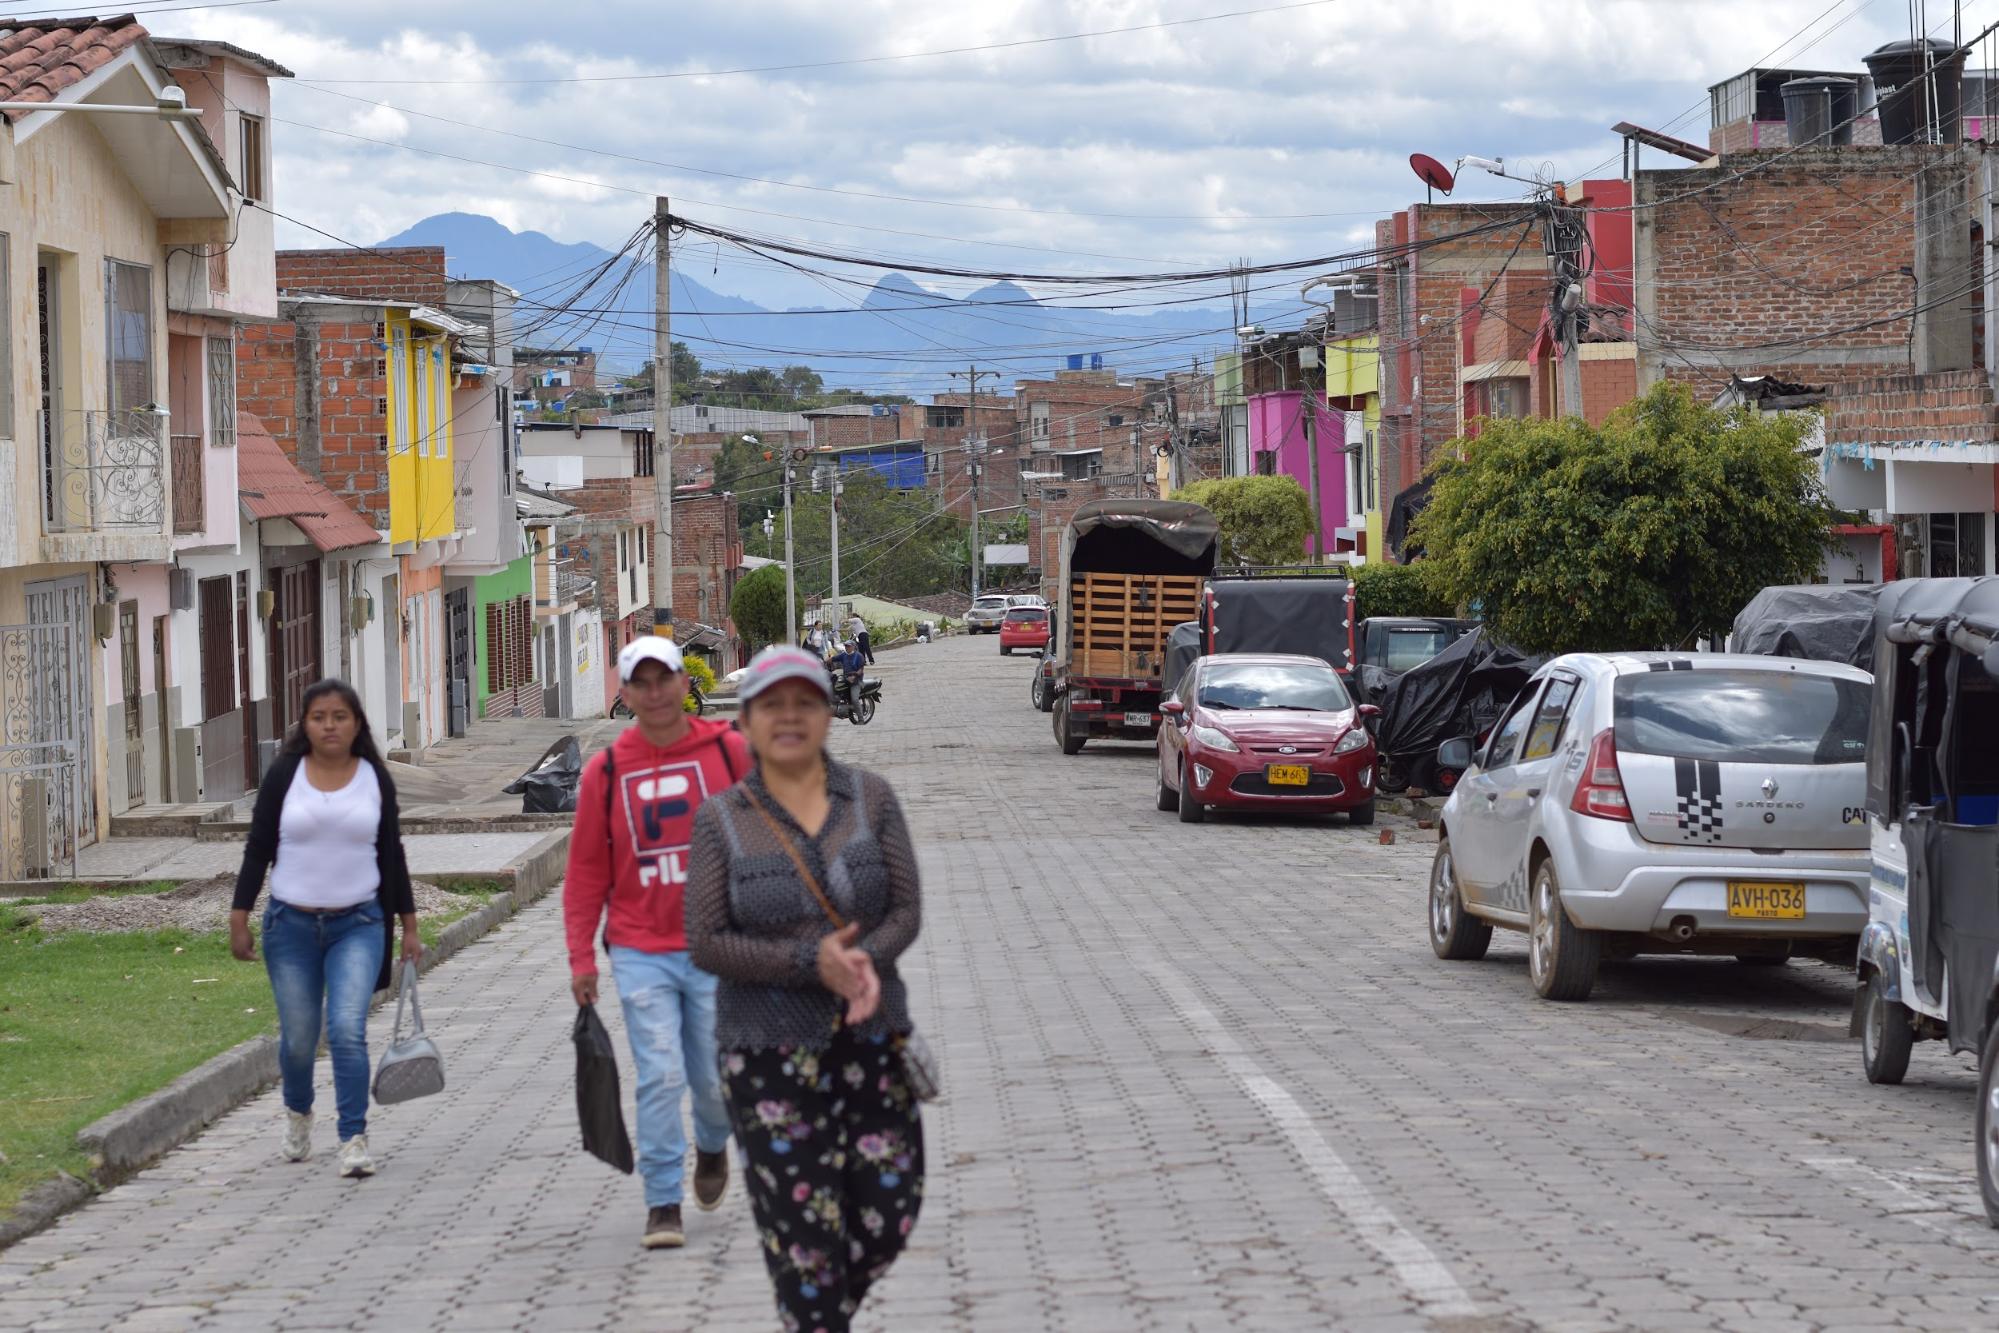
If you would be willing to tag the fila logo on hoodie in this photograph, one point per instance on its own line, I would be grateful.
(659, 815)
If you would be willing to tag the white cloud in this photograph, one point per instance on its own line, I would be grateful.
(1241, 122)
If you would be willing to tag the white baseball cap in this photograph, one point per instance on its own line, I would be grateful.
(649, 648)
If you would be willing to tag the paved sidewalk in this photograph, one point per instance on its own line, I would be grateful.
(142, 859)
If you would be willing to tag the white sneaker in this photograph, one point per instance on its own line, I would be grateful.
(298, 1135)
(354, 1158)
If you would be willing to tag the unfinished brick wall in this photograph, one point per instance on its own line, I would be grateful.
(1953, 405)
(319, 384)
(707, 551)
(1748, 275)
(1081, 406)
(836, 432)
(402, 273)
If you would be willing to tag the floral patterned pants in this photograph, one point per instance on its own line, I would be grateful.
(834, 1146)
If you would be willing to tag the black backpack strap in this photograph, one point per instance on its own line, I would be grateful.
(610, 772)
(722, 740)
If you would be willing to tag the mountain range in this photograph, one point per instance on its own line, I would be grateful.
(898, 337)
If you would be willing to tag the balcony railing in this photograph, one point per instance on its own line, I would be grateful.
(103, 471)
(557, 583)
(190, 487)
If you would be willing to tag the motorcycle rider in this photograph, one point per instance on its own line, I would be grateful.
(849, 662)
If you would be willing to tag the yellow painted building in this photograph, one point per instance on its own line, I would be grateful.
(422, 474)
(1353, 383)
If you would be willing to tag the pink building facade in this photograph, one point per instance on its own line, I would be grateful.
(1277, 446)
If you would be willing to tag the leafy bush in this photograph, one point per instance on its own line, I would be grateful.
(757, 607)
(1647, 532)
(1397, 590)
(703, 676)
(1264, 520)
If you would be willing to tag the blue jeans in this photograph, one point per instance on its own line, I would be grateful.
(669, 1009)
(322, 961)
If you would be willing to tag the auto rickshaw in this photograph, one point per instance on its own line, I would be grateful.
(1928, 962)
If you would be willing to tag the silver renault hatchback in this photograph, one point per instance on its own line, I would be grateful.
(1658, 803)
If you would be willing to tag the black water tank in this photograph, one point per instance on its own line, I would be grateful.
(1903, 94)
(1820, 110)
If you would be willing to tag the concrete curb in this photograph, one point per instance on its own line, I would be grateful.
(139, 1133)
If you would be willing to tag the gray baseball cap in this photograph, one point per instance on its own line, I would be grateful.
(782, 661)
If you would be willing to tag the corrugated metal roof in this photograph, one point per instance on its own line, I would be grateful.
(274, 487)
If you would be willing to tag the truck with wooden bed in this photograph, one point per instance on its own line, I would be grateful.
(1131, 571)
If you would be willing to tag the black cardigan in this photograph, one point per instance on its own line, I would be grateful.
(261, 850)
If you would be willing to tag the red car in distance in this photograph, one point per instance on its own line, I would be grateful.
(1023, 627)
(1265, 731)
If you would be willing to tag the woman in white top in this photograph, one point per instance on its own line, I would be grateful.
(326, 815)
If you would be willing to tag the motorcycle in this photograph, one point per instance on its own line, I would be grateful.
(864, 713)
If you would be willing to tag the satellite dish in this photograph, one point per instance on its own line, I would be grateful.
(1432, 172)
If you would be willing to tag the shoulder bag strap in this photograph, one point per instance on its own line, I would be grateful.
(812, 883)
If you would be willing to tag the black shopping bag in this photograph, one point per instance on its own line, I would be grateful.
(597, 1104)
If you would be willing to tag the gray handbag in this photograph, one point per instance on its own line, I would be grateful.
(412, 1066)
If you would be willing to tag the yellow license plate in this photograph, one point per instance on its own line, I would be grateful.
(1764, 901)
(1288, 775)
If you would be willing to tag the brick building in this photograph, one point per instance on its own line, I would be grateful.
(944, 424)
(858, 423)
(362, 382)
(707, 557)
(548, 376)
(1422, 306)
(1778, 264)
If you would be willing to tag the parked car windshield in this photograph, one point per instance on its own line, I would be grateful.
(1743, 716)
(1273, 685)
(1408, 648)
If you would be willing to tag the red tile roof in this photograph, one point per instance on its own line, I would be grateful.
(41, 57)
(274, 487)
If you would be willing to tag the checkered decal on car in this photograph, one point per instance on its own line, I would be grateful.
(1698, 808)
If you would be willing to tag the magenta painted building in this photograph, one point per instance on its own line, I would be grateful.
(1277, 445)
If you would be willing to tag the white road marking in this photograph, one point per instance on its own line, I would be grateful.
(1897, 1196)
(1420, 1271)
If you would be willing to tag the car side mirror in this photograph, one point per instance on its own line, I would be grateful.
(1456, 753)
(1172, 708)
(1366, 711)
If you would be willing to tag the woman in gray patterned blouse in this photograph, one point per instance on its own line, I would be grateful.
(802, 892)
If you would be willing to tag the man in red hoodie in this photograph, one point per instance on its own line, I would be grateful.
(628, 854)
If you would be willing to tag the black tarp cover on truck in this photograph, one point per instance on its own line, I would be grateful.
(1307, 616)
(1823, 622)
(1456, 693)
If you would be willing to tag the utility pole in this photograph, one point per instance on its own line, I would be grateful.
(834, 488)
(662, 414)
(790, 588)
(975, 452)
(1309, 405)
(1562, 236)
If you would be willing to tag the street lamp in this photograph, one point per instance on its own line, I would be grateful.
(770, 526)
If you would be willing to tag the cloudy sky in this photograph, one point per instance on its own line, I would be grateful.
(1272, 135)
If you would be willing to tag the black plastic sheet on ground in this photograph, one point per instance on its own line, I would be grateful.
(1823, 622)
(549, 788)
(1459, 692)
(597, 1104)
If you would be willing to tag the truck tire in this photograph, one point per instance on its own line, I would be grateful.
(1071, 744)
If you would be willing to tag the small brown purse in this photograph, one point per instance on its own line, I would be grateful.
(919, 1066)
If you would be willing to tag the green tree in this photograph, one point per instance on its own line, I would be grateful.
(893, 543)
(757, 607)
(1264, 520)
(1647, 532)
(1398, 590)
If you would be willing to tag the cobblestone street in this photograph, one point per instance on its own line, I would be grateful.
(1199, 1077)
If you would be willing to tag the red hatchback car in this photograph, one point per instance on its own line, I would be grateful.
(1256, 731)
(1024, 627)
